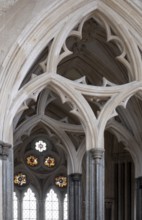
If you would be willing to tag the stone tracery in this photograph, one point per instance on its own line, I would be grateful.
(74, 93)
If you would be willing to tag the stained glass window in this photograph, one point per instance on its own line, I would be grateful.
(66, 207)
(40, 146)
(51, 206)
(15, 207)
(29, 206)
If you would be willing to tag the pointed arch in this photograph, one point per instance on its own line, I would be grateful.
(51, 206)
(29, 205)
(78, 12)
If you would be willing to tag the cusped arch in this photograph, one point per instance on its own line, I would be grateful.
(107, 18)
(20, 69)
(80, 106)
(29, 124)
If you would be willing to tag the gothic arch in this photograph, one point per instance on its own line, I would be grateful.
(81, 12)
(129, 142)
(27, 49)
(72, 155)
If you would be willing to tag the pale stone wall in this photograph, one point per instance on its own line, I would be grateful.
(16, 15)
(14, 19)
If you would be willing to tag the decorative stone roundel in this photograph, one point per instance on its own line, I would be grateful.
(61, 181)
(49, 162)
(40, 146)
(20, 179)
(32, 161)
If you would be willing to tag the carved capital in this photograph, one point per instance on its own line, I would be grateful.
(4, 150)
(139, 183)
(108, 204)
(75, 177)
(97, 153)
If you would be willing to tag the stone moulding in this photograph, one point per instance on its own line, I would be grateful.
(4, 150)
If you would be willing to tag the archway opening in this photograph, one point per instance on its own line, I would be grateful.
(72, 67)
(119, 180)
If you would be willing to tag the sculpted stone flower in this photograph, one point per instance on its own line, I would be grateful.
(49, 162)
(20, 179)
(61, 181)
(32, 161)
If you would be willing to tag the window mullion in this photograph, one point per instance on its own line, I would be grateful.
(41, 209)
(20, 200)
(61, 209)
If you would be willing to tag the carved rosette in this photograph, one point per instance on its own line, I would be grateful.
(61, 181)
(20, 179)
(32, 161)
(49, 162)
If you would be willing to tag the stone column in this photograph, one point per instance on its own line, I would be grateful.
(1, 191)
(74, 196)
(95, 185)
(139, 198)
(20, 199)
(6, 155)
(41, 209)
(61, 208)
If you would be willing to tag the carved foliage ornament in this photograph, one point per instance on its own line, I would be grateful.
(32, 161)
(20, 179)
(49, 162)
(61, 181)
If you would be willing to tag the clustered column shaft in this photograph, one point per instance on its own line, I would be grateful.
(6, 155)
(139, 198)
(95, 185)
(75, 198)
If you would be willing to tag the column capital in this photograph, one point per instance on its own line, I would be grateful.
(97, 153)
(75, 177)
(4, 150)
(108, 204)
(138, 198)
(139, 182)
